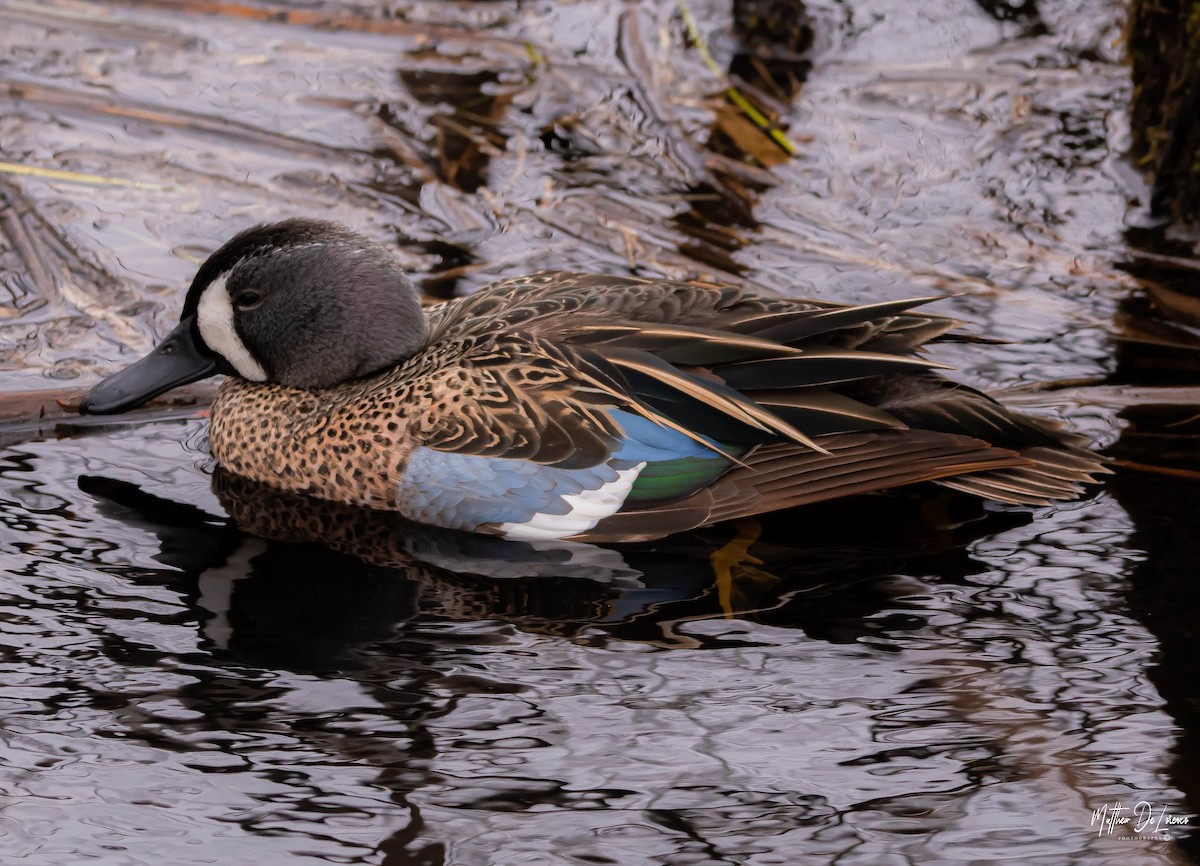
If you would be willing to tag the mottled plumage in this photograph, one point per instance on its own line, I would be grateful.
(564, 405)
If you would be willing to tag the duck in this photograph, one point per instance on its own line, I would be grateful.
(565, 406)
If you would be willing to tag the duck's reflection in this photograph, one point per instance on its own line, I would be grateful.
(302, 582)
(356, 600)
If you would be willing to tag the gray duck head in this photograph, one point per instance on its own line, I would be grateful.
(303, 303)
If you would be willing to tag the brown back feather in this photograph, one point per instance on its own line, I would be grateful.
(833, 399)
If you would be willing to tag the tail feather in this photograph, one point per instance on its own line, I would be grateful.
(1051, 474)
(784, 475)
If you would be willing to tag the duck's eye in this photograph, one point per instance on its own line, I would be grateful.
(244, 300)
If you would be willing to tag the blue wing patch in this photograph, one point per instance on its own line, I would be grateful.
(676, 464)
(531, 500)
(465, 491)
(646, 441)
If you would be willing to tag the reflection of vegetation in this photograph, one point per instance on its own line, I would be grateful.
(1164, 50)
(1163, 592)
(1024, 11)
(774, 38)
(750, 23)
(74, 176)
(1158, 349)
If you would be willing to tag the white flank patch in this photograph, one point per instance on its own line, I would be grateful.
(587, 509)
(214, 317)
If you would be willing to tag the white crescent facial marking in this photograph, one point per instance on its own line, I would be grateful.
(214, 318)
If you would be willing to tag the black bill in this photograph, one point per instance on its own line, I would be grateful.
(177, 360)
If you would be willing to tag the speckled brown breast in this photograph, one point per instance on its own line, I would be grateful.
(347, 443)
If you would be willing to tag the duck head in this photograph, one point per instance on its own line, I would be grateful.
(302, 303)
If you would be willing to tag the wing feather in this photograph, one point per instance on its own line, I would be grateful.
(817, 399)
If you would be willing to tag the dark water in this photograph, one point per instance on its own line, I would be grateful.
(177, 690)
(195, 671)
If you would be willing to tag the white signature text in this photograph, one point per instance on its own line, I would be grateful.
(1144, 820)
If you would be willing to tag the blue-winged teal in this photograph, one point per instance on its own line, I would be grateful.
(562, 405)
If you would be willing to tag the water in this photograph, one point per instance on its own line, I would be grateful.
(198, 671)
(179, 691)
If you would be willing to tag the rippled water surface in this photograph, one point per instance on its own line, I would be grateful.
(198, 671)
